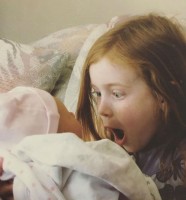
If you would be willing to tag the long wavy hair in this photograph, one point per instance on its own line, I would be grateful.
(156, 46)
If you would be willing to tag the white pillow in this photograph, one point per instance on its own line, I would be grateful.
(72, 91)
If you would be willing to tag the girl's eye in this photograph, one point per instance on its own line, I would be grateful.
(96, 93)
(117, 94)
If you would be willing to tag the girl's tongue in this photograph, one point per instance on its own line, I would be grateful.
(119, 136)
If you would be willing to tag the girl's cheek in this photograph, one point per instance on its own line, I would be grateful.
(129, 117)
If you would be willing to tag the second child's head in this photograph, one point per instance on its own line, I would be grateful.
(133, 86)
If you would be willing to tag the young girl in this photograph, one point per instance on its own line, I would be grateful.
(133, 91)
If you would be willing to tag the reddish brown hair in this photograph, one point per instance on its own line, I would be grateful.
(156, 46)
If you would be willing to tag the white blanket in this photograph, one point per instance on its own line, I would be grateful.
(63, 167)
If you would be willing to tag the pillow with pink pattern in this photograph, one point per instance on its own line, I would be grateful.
(24, 65)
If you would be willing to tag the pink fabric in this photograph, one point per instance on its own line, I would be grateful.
(26, 111)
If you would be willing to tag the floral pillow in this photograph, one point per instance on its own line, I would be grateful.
(68, 40)
(24, 65)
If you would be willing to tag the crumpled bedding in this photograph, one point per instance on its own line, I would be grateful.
(63, 167)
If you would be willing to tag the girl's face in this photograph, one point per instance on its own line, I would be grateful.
(125, 103)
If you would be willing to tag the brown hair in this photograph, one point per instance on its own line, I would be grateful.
(156, 46)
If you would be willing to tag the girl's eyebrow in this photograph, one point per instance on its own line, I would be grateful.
(110, 85)
(118, 84)
(92, 85)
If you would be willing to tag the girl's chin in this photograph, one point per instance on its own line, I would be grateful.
(130, 150)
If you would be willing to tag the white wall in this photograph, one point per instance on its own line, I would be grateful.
(28, 20)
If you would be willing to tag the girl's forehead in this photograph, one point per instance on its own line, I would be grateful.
(105, 70)
(114, 66)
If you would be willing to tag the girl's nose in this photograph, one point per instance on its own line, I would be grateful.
(104, 108)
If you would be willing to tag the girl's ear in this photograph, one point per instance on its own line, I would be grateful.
(161, 101)
(163, 104)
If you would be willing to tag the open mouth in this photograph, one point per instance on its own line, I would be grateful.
(117, 135)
